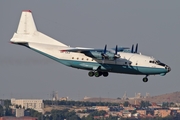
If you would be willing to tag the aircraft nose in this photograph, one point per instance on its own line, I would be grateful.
(168, 68)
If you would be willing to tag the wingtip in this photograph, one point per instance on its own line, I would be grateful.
(27, 11)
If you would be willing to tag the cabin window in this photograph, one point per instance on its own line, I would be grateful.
(77, 58)
(82, 58)
(87, 59)
(92, 59)
(125, 62)
(153, 62)
(72, 57)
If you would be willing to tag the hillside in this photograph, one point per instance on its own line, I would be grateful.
(168, 97)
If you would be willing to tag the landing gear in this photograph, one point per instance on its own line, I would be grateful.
(105, 74)
(97, 73)
(145, 79)
(91, 74)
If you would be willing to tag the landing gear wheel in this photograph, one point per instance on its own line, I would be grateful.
(91, 74)
(105, 74)
(145, 79)
(96, 74)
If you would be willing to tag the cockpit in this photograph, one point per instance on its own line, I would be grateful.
(157, 62)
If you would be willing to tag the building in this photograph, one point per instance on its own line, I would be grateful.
(20, 112)
(36, 104)
(126, 114)
(81, 115)
(18, 118)
(64, 99)
(141, 112)
(162, 112)
(99, 108)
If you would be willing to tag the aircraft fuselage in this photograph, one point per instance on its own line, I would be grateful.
(128, 63)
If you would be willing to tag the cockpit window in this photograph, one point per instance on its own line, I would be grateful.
(157, 62)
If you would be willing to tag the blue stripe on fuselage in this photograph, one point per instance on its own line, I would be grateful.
(126, 69)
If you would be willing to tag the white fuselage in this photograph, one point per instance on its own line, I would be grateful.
(129, 63)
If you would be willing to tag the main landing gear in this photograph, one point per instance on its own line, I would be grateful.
(97, 74)
(145, 79)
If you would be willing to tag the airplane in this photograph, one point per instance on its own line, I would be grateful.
(99, 62)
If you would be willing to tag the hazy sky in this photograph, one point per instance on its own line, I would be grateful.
(155, 25)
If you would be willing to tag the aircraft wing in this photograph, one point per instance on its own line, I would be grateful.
(80, 50)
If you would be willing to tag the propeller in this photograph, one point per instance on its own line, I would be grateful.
(116, 51)
(132, 49)
(136, 49)
(103, 54)
(115, 54)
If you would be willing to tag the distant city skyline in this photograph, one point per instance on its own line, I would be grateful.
(154, 25)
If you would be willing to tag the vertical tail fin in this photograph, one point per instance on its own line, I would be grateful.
(27, 32)
(26, 23)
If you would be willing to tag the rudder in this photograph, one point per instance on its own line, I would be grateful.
(26, 23)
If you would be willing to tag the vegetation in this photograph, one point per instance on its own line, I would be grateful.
(168, 104)
(33, 113)
(6, 110)
(144, 104)
(79, 103)
(1, 111)
(126, 104)
(61, 115)
(159, 118)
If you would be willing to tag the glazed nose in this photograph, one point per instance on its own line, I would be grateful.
(168, 68)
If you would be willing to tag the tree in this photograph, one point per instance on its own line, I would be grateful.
(126, 104)
(134, 111)
(34, 113)
(63, 114)
(165, 104)
(9, 112)
(144, 104)
(1, 111)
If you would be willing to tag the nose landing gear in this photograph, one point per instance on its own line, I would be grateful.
(145, 79)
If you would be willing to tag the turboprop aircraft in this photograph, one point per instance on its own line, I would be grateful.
(99, 62)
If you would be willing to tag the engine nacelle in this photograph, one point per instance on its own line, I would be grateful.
(98, 55)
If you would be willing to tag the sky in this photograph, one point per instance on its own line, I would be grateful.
(155, 25)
